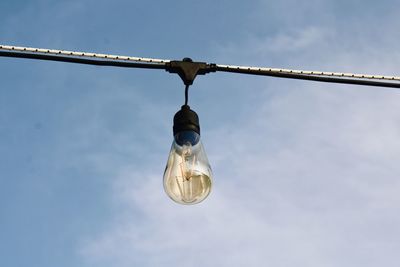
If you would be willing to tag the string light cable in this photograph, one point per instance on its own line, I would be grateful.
(188, 70)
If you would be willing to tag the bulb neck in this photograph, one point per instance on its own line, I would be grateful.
(186, 120)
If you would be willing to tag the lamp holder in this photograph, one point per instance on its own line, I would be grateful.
(186, 120)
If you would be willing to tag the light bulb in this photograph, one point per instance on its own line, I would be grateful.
(187, 176)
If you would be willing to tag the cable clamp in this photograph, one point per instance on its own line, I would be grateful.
(188, 70)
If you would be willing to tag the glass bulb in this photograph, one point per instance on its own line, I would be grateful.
(187, 176)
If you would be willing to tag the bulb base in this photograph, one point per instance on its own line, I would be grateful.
(186, 120)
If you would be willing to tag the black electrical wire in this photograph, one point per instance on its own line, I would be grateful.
(201, 68)
(186, 94)
(81, 60)
(310, 77)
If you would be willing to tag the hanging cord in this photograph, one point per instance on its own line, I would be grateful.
(186, 94)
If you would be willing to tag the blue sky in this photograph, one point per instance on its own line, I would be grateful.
(305, 174)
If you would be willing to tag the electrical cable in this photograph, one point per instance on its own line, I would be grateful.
(86, 61)
(186, 94)
(202, 68)
(82, 57)
(263, 71)
(318, 78)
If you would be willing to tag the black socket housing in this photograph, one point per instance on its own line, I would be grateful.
(186, 120)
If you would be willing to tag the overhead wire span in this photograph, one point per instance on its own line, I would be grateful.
(199, 67)
(318, 76)
(264, 70)
(82, 57)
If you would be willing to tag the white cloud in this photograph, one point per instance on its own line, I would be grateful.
(310, 184)
(311, 179)
(290, 41)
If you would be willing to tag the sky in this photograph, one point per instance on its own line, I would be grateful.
(305, 173)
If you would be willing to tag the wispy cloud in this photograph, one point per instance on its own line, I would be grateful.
(306, 176)
(310, 179)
